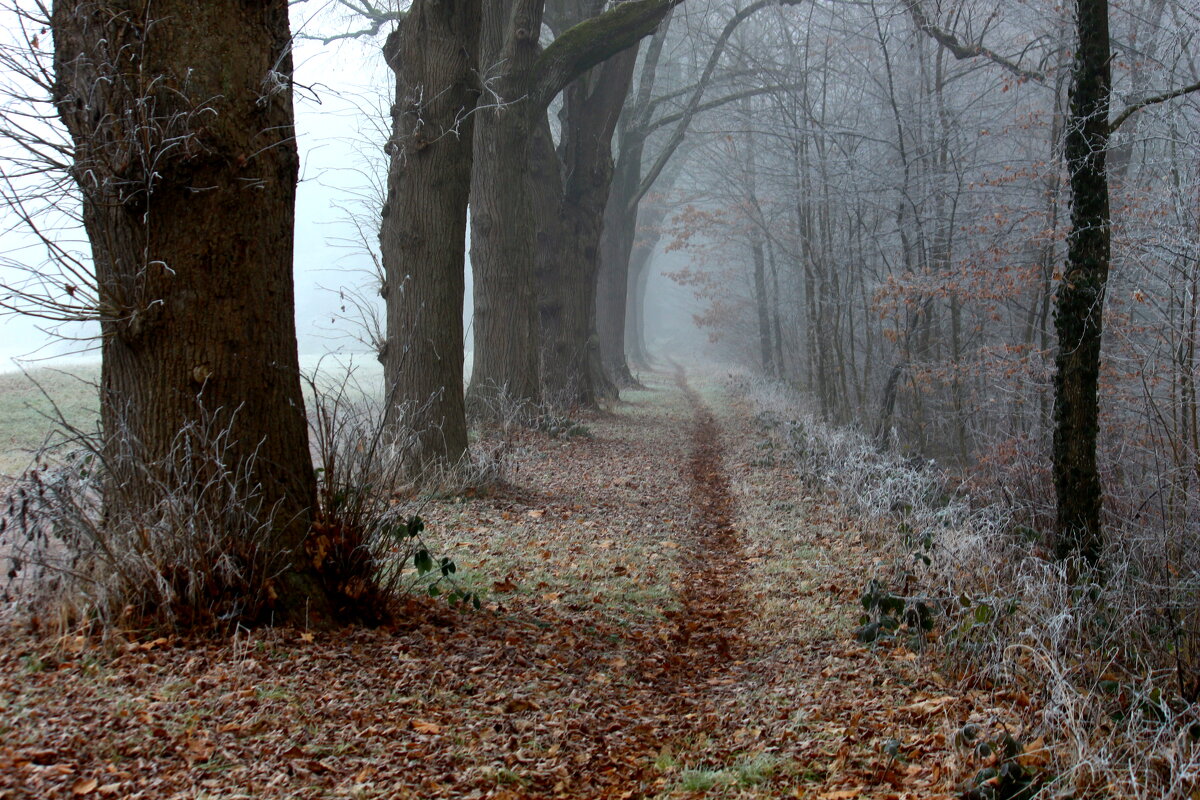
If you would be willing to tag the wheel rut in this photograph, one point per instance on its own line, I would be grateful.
(701, 663)
(713, 604)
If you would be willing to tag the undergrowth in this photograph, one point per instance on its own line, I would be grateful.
(1106, 658)
(202, 549)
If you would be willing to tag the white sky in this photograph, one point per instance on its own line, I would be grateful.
(342, 97)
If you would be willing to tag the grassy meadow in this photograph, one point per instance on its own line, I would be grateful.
(33, 402)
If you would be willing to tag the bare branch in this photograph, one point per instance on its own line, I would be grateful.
(1130, 110)
(720, 101)
(695, 101)
(376, 17)
(963, 50)
(592, 41)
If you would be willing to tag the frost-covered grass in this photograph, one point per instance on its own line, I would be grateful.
(32, 402)
(1109, 659)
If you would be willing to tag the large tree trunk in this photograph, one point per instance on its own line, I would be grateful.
(433, 54)
(521, 84)
(616, 244)
(507, 346)
(181, 118)
(574, 371)
(554, 307)
(1079, 305)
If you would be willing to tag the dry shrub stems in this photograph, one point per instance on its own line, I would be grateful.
(76, 550)
(1108, 657)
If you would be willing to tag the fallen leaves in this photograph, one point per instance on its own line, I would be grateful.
(632, 644)
(84, 786)
(196, 750)
(930, 706)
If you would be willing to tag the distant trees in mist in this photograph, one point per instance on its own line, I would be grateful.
(899, 207)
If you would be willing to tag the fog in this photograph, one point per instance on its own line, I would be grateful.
(341, 102)
(343, 92)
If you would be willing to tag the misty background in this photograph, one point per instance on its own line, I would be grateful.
(342, 97)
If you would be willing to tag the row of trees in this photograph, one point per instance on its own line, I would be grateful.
(473, 89)
(182, 154)
(913, 223)
(890, 171)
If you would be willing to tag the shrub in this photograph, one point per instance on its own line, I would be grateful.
(1111, 657)
(204, 551)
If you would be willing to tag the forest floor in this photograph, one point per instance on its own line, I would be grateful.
(665, 614)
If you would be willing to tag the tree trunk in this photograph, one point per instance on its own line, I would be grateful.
(1079, 304)
(522, 83)
(507, 345)
(433, 54)
(616, 244)
(761, 304)
(574, 369)
(560, 373)
(639, 278)
(185, 156)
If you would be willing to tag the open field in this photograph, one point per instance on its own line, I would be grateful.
(663, 616)
(32, 403)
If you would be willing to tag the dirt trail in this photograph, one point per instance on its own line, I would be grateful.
(666, 615)
(703, 658)
(713, 557)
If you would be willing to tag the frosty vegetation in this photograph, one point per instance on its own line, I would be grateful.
(1005, 615)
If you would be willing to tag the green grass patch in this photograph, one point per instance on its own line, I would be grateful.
(30, 406)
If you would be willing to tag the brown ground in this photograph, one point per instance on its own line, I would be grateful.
(666, 615)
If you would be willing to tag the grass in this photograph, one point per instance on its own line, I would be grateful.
(572, 662)
(27, 409)
(28, 400)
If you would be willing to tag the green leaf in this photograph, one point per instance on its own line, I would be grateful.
(984, 775)
(867, 633)
(422, 561)
(434, 591)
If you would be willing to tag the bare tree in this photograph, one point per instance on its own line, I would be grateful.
(183, 153)
(433, 52)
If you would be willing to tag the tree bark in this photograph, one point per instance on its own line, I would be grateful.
(616, 245)
(507, 345)
(574, 371)
(433, 54)
(1079, 304)
(185, 157)
(766, 351)
(522, 83)
(639, 279)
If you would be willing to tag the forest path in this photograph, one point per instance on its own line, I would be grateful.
(668, 613)
(712, 557)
